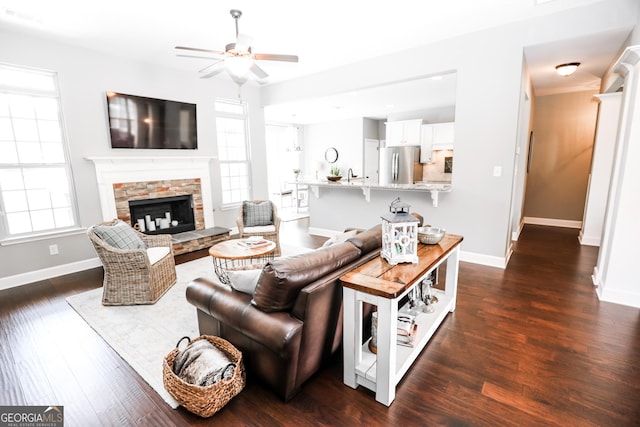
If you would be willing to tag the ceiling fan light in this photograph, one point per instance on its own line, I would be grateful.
(239, 80)
(239, 65)
(567, 69)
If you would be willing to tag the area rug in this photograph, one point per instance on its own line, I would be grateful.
(144, 334)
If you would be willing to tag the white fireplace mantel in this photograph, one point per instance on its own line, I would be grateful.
(114, 170)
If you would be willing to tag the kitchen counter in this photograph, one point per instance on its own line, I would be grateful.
(434, 188)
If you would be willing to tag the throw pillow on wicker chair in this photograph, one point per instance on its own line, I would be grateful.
(119, 235)
(257, 214)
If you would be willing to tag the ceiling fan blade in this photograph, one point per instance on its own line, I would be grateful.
(275, 57)
(243, 43)
(196, 49)
(210, 67)
(195, 56)
(218, 68)
(258, 72)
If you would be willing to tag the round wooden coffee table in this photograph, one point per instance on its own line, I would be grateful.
(232, 255)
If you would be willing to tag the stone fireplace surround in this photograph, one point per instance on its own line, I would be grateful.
(128, 191)
(122, 178)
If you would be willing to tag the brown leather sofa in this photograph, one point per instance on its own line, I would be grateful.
(293, 323)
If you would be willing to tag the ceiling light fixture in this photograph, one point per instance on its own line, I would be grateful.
(237, 58)
(238, 65)
(567, 69)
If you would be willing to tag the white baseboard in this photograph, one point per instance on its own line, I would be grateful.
(48, 273)
(491, 261)
(589, 240)
(509, 253)
(595, 277)
(553, 222)
(61, 270)
(488, 260)
(630, 299)
(515, 235)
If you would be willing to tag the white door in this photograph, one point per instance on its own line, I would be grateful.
(370, 168)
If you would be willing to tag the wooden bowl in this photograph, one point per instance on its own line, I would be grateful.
(333, 178)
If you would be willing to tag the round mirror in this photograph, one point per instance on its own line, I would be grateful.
(331, 155)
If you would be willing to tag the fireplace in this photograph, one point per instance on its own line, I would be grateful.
(121, 179)
(170, 215)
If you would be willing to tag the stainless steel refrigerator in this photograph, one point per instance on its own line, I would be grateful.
(400, 165)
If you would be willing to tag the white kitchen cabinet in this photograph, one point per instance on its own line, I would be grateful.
(426, 144)
(395, 133)
(404, 132)
(443, 136)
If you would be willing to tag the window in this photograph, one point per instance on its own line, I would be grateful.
(233, 151)
(283, 155)
(36, 195)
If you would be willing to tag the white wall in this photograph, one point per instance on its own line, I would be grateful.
(601, 168)
(345, 135)
(481, 100)
(84, 76)
(616, 274)
(489, 86)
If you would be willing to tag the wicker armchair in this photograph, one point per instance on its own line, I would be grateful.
(130, 276)
(269, 232)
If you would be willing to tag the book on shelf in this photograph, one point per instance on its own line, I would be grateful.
(406, 330)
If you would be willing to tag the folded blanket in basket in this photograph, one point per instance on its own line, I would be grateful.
(202, 364)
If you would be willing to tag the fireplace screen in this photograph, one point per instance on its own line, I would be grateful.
(166, 215)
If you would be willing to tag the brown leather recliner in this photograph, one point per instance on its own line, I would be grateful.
(292, 324)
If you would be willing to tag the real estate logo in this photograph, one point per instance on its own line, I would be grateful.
(31, 416)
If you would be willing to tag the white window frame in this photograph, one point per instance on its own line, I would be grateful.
(6, 236)
(240, 190)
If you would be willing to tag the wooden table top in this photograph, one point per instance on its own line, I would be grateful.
(378, 277)
(232, 249)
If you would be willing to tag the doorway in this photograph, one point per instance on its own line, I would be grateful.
(284, 166)
(563, 134)
(370, 169)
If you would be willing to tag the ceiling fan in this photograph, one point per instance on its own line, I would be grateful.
(237, 59)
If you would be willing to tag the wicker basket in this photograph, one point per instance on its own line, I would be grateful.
(205, 401)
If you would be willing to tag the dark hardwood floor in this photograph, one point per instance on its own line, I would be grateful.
(530, 345)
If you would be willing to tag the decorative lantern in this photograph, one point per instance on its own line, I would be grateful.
(399, 234)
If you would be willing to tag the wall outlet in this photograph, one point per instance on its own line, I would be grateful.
(497, 171)
(53, 250)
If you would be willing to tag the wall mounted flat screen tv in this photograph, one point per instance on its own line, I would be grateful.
(139, 122)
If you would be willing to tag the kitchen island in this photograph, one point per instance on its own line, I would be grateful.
(433, 188)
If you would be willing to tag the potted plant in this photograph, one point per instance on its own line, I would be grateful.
(334, 174)
(296, 173)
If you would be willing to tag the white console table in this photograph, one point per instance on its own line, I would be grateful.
(384, 285)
